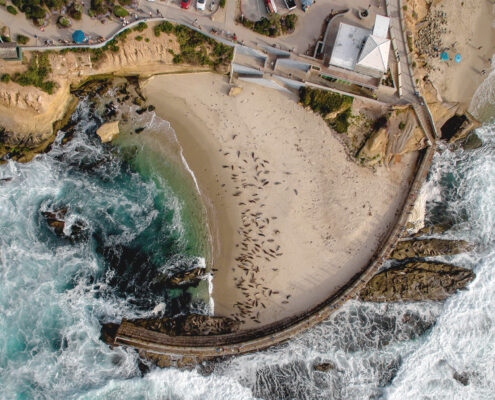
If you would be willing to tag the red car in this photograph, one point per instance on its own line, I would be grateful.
(185, 4)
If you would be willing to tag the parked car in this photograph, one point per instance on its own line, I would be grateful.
(290, 4)
(201, 4)
(185, 4)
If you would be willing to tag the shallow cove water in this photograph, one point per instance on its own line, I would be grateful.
(54, 293)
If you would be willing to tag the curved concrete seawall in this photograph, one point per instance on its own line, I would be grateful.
(187, 350)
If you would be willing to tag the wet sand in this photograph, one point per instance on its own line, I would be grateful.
(292, 219)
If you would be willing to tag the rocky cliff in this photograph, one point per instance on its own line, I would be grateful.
(429, 248)
(415, 282)
(30, 112)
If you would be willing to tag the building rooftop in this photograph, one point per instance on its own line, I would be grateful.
(375, 53)
(8, 51)
(381, 26)
(348, 44)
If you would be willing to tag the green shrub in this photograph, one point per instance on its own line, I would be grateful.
(125, 2)
(341, 123)
(21, 39)
(323, 101)
(64, 22)
(139, 38)
(146, 40)
(119, 11)
(75, 10)
(222, 3)
(54, 4)
(12, 10)
(91, 13)
(290, 21)
(98, 7)
(140, 27)
(171, 51)
(402, 125)
(178, 59)
(157, 30)
(2, 3)
(166, 27)
(5, 78)
(38, 69)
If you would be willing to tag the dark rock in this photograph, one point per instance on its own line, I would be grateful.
(123, 89)
(94, 86)
(141, 110)
(139, 130)
(323, 367)
(416, 282)
(187, 277)
(143, 367)
(108, 332)
(472, 142)
(56, 220)
(151, 107)
(453, 126)
(5, 180)
(138, 101)
(429, 248)
(432, 230)
(190, 325)
(462, 378)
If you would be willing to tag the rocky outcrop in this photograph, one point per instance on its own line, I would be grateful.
(192, 276)
(432, 230)
(56, 220)
(108, 131)
(416, 282)
(429, 248)
(323, 367)
(472, 142)
(190, 325)
(458, 127)
(375, 147)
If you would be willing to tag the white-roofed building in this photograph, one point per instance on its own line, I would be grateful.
(373, 59)
(381, 26)
(361, 50)
(348, 44)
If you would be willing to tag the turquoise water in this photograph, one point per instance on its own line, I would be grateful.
(55, 290)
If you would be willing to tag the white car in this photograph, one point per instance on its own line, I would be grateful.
(201, 4)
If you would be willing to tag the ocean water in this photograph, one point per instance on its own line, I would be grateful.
(54, 292)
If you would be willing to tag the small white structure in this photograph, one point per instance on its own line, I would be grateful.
(381, 26)
(361, 50)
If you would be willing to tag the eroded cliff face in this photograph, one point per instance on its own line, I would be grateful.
(27, 113)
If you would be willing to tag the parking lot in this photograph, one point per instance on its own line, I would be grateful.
(255, 9)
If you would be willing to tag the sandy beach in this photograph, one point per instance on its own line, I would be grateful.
(292, 219)
(470, 33)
